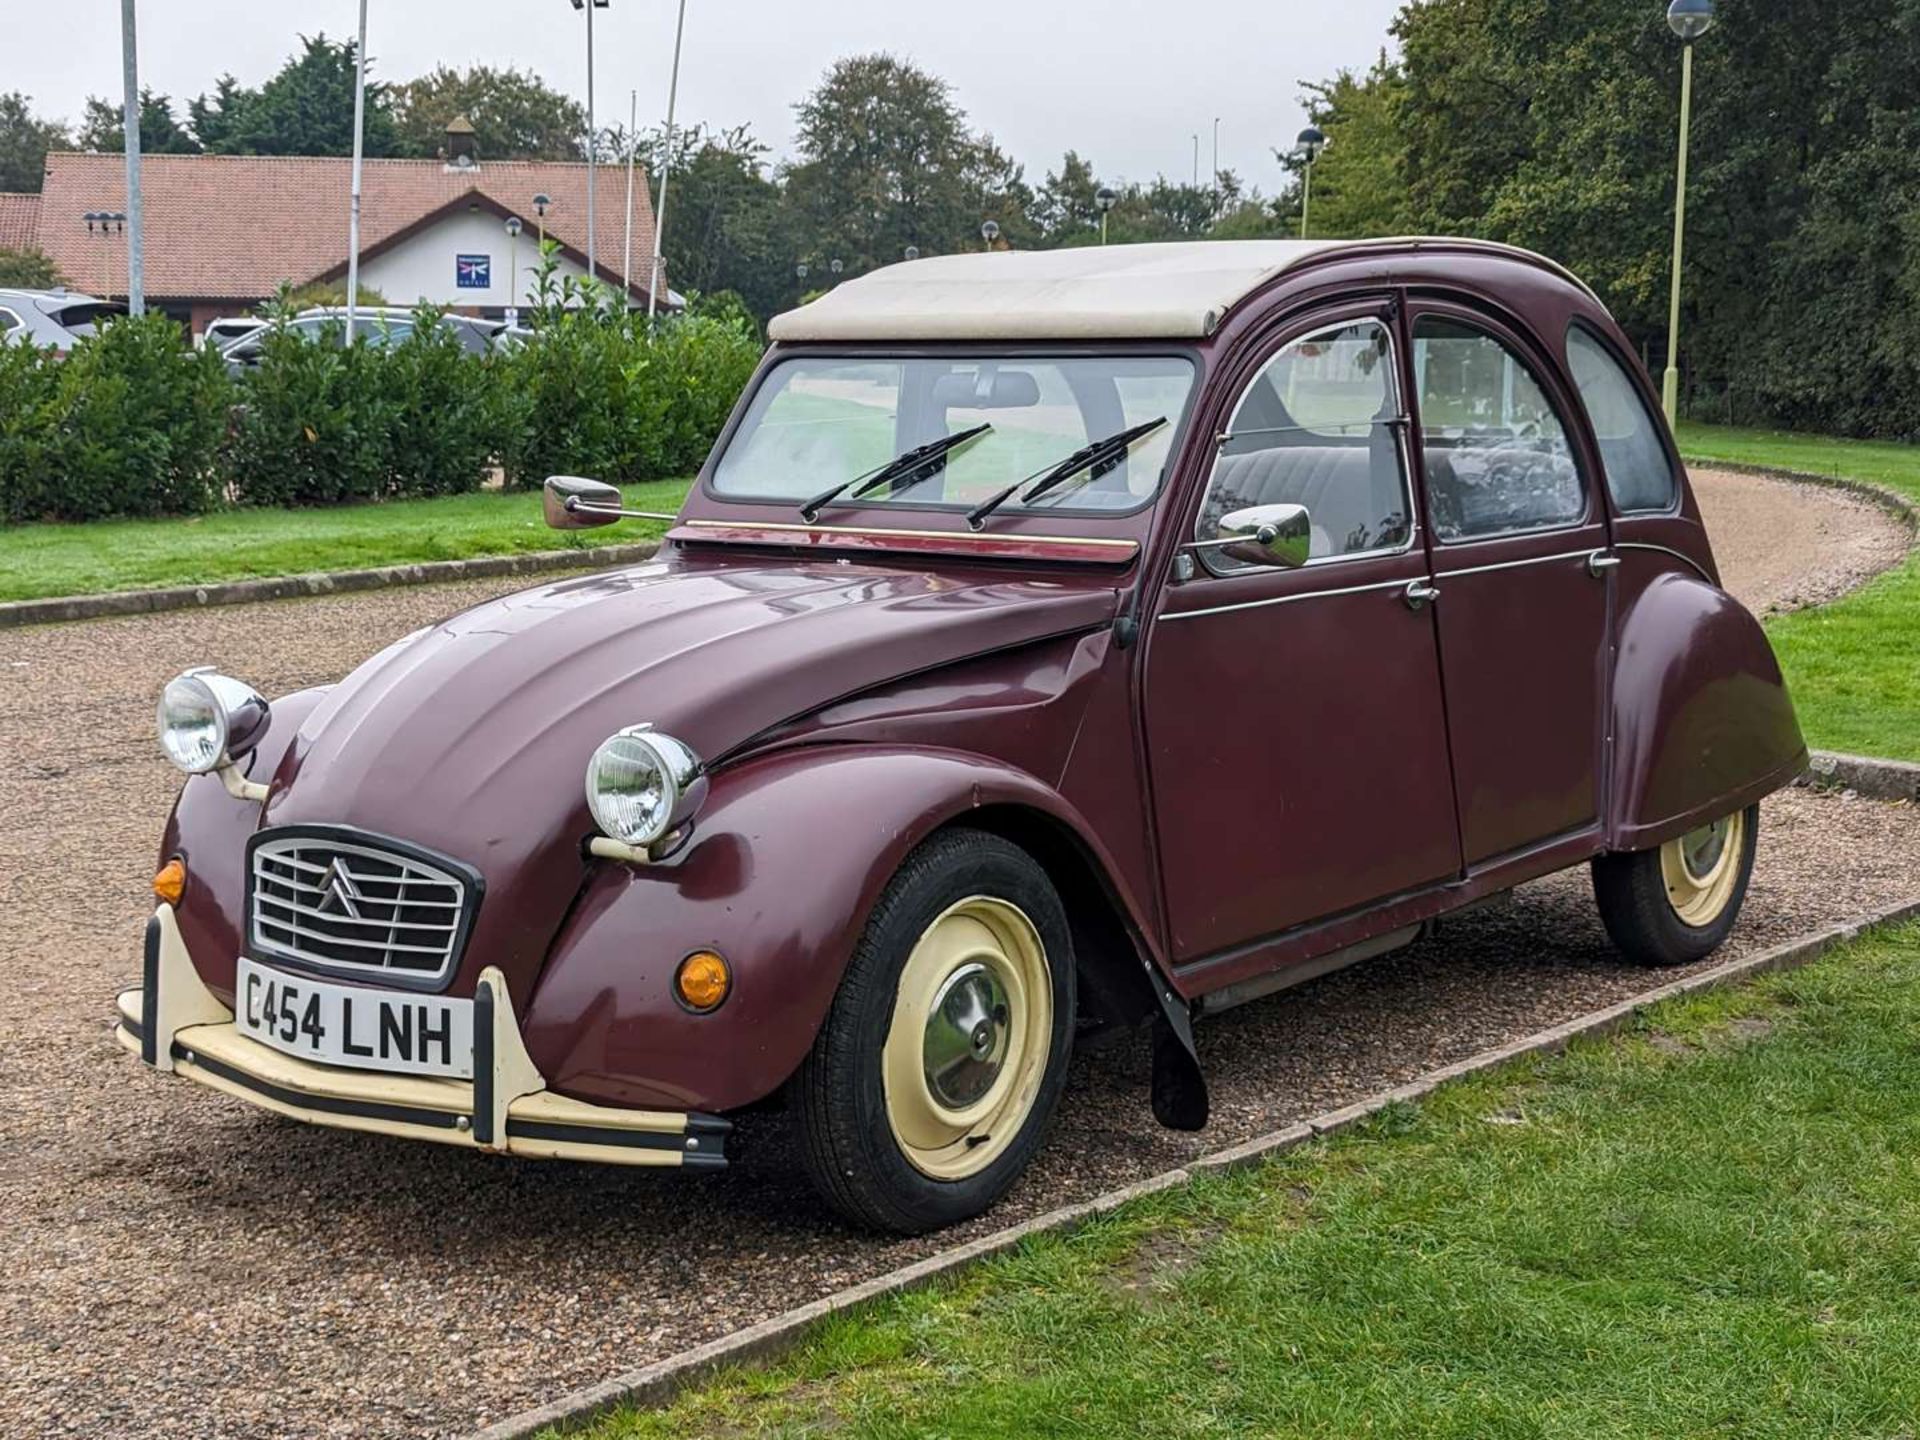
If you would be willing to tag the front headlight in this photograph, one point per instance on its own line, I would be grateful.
(206, 719)
(642, 785)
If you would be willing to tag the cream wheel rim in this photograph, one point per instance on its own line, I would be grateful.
(1702, 868)
(968, 1044)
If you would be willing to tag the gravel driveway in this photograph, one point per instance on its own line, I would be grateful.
(178, 1264)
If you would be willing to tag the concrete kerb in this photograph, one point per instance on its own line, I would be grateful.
(657, 1383)
(1892, 501)
(1897, 780)
(335, 582)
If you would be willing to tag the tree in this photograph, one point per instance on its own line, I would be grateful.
(886, 161)
(103, 127)
(305, 109)
(28, 270)
(1359, 181)
(24, 142)
(514, 114)
(727, 223)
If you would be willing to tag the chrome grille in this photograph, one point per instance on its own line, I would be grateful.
(355, 906)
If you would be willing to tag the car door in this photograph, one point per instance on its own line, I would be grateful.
(1518, 540)
(1294, 724)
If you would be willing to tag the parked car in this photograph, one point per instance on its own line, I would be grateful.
(51, 319)
(1053, 642)
(377, 326)
(225, 331)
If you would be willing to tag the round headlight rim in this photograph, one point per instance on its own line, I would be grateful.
(682, 774)
(197, 678)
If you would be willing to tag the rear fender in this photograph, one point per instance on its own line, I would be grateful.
(790, 853)
(1702, 721)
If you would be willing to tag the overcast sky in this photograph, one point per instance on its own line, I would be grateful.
(1125, 82)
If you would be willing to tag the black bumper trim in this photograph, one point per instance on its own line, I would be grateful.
(330, 1104)
(149, 990)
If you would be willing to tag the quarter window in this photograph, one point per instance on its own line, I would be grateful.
(1497, 456)
(1315, 428)
(8, 321)
(1639, 475)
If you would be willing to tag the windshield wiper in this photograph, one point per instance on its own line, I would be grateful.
(1088, 458)
(920, 458)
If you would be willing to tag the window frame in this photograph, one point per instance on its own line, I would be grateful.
(1630, 370)
(1545, 373)
(1381, 316)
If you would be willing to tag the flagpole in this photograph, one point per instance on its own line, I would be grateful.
(626, 253)
(136, 254)
(359, 150)
(666, 168)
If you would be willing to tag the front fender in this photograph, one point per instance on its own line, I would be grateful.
(209, 829)
(1702, 721)
(791, 851)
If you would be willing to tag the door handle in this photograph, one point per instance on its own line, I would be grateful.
(1419, 594)
(1599, 562)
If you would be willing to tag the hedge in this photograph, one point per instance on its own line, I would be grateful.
(134, 422)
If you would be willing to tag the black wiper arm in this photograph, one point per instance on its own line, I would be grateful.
(1085, 458)
(898, 468)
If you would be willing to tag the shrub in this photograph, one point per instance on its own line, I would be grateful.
(314, 424)
(444, 429)
(604, 392)
(29, 410)
(128, 424)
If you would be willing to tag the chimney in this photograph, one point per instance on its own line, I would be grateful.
(463, 148)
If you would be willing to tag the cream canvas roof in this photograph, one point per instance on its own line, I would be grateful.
(1176, 291)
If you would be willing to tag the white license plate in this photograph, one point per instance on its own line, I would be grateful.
(352, 1025)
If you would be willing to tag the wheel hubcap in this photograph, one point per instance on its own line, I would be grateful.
(1702, 869)
(968, 1043)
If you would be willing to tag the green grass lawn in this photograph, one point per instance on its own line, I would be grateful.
(41, 560)
(1709, 1226)
(1854, 666)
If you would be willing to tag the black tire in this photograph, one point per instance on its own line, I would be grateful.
(846, 1139)
(1635, 906)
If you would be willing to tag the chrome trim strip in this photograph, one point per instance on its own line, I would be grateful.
(1583, 555)
(989, 539)
(1687, 560)
(1400, 584)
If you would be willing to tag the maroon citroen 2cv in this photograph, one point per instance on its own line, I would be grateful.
(1052, 642)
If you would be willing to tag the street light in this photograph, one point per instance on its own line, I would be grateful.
(912, 252)
(1311, 141)
(990, 232)
(835, 267)
(359, 151)
(593, 139)
(1104, 199)
(1689, 19)
(513, 269)
(540, 204)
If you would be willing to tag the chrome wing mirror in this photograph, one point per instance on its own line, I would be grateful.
(1280, 535)
(573, 502)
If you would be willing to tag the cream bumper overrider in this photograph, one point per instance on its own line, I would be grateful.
(174, 1023)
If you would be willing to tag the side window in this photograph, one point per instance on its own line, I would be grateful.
(8, 321)
(1639, 475)
(1313, 429)
(1497, 457)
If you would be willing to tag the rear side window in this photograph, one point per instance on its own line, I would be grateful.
(1639, 476)
(8, 321)
(1497, 457)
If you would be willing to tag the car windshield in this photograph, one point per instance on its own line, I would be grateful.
(817, 422)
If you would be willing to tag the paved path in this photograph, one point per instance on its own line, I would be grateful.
(178, 1264)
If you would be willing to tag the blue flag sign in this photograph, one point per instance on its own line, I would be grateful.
(473, 272)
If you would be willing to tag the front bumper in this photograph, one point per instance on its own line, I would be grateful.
(174, 1023)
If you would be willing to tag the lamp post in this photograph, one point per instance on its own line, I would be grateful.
(130, 74)
(666, 168)
(513, 270)
(540, 204)
(593, 140)
(359, 152)
(1104, 199)
(1689, 19)
(1312, 141)
(990, 232)
(912, 252)
(106, 224)
(834, 267)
